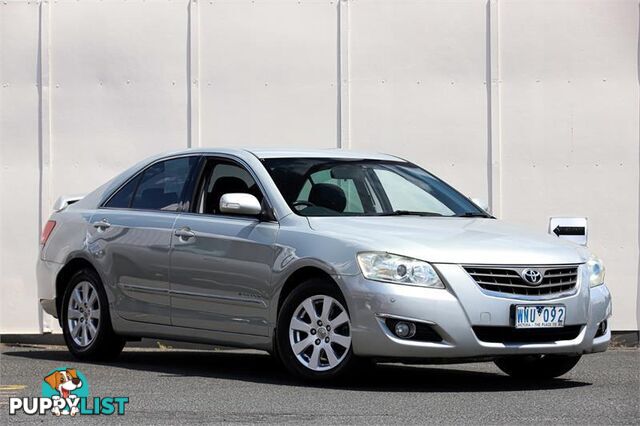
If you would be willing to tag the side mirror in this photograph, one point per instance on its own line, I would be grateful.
(238, 203)
(481, 203)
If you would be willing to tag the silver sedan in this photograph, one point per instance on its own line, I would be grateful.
(324, 258)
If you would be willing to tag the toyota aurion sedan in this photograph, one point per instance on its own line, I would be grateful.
(323, 258)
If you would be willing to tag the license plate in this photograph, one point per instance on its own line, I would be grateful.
(540, 316)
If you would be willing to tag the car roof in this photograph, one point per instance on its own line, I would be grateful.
(320, 153)
(292, 153)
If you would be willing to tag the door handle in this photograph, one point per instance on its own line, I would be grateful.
(102, 224)
(184, 233)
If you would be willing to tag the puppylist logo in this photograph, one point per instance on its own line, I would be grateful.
(65, 392)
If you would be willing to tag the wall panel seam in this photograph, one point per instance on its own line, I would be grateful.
(44, 129)
(193, 75)
(494, 130)
(343, 127)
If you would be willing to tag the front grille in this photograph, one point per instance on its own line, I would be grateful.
(557, 279)
(526, 335)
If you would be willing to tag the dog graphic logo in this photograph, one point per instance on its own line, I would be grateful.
(65, 392)
(64, 383)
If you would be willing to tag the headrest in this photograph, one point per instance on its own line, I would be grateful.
(329, 196)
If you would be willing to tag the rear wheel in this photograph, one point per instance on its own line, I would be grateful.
(537, 366)
(86, 322)
(314, 332)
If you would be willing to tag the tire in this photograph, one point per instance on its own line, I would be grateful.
(326, 352)
(537, 367)
(86, 322)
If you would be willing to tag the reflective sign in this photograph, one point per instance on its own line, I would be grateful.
(573, 229)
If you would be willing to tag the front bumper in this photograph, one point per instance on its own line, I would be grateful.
(454, 311)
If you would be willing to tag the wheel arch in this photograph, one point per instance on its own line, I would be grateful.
(301, 275)
(62, 279)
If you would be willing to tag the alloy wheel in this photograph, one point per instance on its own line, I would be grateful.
(320, 333)
(83, 314)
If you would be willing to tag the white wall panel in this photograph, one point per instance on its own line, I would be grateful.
(416, 85)
(534, 105)
(268, 72)
(119, 86)
(19, 166)
(569, 113)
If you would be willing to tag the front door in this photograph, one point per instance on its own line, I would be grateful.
(221, 264)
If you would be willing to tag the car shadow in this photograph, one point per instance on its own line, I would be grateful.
(263, 368)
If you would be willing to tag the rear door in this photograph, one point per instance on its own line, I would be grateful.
(131, 238)
(221, 264)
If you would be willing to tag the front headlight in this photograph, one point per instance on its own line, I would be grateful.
(396, 269)
(595, 269)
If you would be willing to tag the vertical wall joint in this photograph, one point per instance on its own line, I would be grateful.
(343, 75)
(193, 76)
(494, 131)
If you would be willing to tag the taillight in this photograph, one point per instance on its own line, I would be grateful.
(48, 228)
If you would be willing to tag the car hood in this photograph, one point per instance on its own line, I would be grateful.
(452, 240)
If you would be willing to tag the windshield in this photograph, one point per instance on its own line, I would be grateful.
(346, 187)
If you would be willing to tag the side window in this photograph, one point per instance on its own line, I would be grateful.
(122, 198)
(347, 186)
(224, 178)
(161, 185)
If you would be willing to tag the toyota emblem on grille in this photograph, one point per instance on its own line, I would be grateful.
(531, 276)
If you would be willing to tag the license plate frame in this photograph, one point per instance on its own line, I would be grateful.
(556, 320)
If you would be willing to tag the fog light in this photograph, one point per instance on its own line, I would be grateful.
(602, 328)
(404, 330)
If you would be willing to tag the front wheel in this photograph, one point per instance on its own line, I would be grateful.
(86, 323)
(537, 366)
(314, 332)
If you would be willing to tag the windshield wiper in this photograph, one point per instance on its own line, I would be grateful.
(409, 213)
(474, 214)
